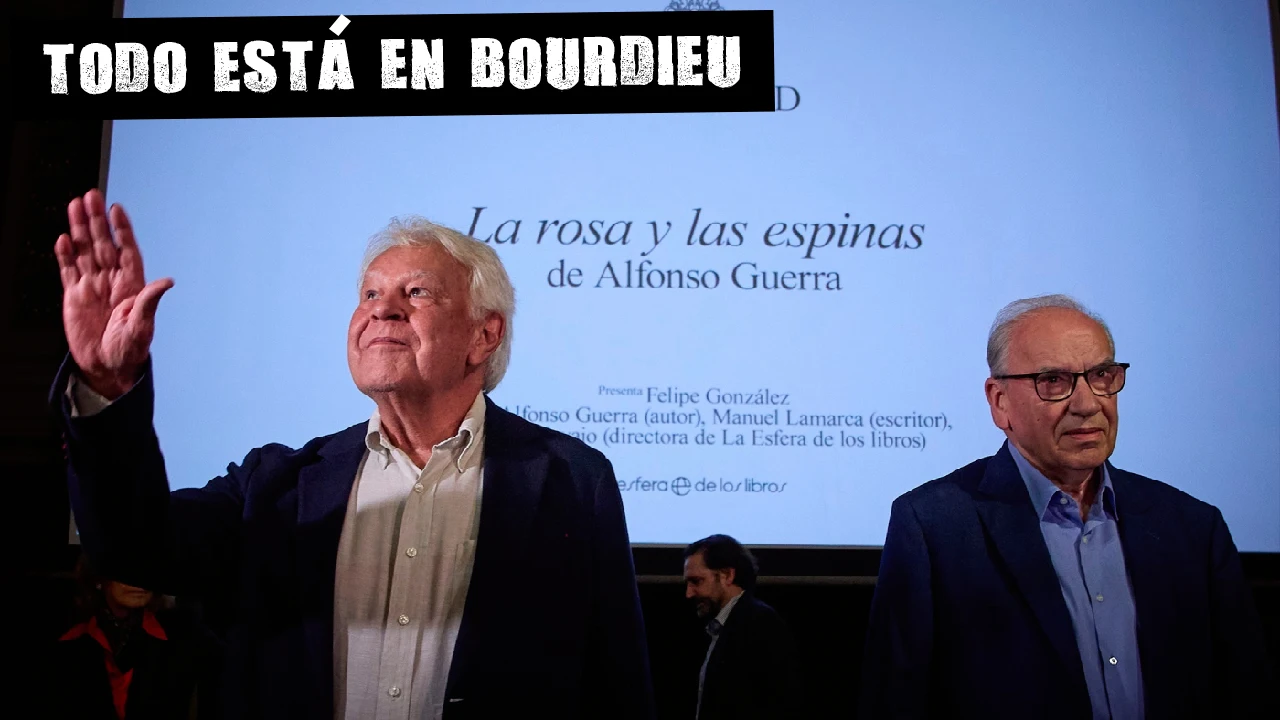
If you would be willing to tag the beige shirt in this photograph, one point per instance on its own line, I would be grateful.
(404, 564)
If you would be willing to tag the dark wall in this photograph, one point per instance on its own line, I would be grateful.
(45, 165)
(823, 594)
(828, 617)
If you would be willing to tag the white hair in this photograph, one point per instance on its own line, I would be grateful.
(491, 290)
(1002, 329)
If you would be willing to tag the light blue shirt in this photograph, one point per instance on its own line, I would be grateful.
(1089, 562)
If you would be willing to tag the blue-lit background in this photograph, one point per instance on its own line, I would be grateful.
(1123, 152)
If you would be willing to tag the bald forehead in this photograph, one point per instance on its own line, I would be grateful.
(1053, 338)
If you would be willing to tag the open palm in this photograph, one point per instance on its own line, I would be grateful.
(108, 309)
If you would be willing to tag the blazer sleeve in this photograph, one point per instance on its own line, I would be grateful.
(1243, 676)
(617, 662)
(899, 645)
(130, 525)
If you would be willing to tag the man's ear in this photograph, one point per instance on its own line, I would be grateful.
(488, 337)
(998, 400)
(729, 575)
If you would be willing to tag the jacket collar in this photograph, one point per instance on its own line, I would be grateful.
(1007, 513)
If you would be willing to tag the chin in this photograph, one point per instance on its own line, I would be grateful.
(1087, 459)
(378, 382)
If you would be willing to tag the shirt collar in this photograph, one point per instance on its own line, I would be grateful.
(723, 616)
(152, 626)
(1043, 491)
(464, 443)
(90, 627)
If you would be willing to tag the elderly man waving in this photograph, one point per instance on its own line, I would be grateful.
(443, 558)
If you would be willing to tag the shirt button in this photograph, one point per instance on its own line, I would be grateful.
(1098, 597)
(411, 552)
(394, 692)
(418, 488)
(1085, 539)
(1062, 501)
(1113, 661)
(403, 619)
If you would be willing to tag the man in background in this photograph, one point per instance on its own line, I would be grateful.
(129, 655)
(1044, 582)
(750, 668)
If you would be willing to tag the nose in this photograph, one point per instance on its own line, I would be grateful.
(688, 592)
(388, 308)
(1083, 401)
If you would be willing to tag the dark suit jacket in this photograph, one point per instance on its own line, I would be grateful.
(968, 619)
(552, 621)
(752, 672)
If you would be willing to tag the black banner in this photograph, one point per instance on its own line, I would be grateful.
(362, 65)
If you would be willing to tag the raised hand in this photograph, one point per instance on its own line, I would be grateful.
(108, 309)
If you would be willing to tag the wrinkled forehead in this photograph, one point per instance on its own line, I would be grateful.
(429, 263)
(376, 276)
(1059, 338)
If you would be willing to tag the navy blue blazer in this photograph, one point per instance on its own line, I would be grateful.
(552, 622)
(753, 672)
(968, 619)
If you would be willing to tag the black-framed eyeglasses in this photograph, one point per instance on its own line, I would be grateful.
(1055, 385)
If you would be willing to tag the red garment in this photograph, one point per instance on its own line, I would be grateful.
(119, 680)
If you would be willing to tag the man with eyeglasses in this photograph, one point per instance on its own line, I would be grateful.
(1043, 582)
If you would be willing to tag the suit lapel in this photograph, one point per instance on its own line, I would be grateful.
(324, 489)
(515, 469)
(1146, 560)
(1010, 519)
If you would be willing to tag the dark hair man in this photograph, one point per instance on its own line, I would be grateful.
(750, 668)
